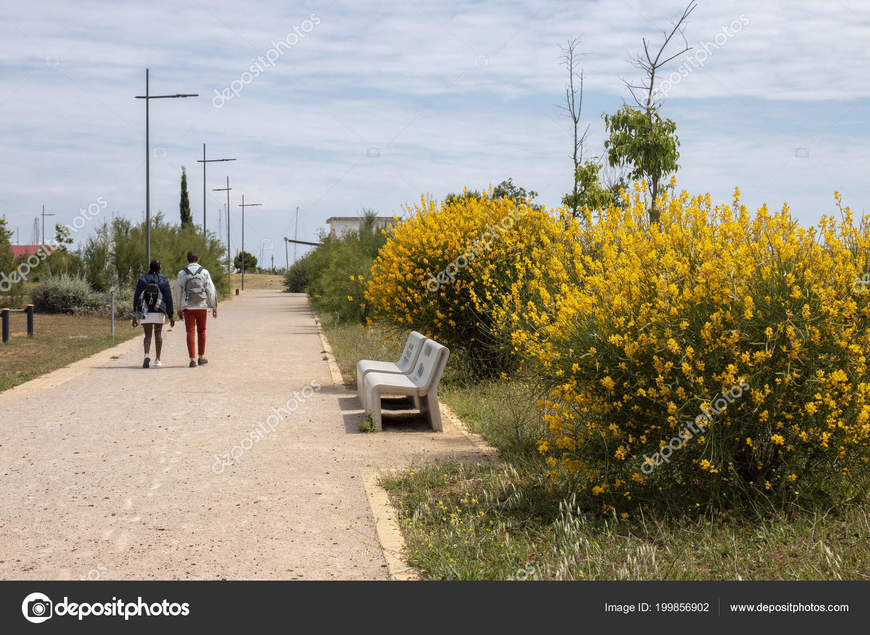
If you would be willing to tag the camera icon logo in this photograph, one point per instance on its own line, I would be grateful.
(37, 608)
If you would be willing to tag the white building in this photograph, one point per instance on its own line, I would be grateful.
(339, 225)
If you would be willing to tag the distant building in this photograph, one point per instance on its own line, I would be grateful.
(28, 250)
(339, 225)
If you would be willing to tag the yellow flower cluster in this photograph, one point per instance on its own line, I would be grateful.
(444, 266)
(638, 328)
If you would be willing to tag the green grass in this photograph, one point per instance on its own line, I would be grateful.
(58, 341)
(485, 522)
(473, 523)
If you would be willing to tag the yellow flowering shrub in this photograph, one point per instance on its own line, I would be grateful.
(444, 266)
(715, 354)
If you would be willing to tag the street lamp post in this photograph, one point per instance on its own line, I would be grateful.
(148, 97)
(204, 161)
(229, 269)
(44, 214)
(243, 205)
(296, 234)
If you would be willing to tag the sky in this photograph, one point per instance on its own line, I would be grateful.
(337, 106)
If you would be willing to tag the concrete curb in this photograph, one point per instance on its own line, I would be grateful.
(334, 370)
(387, 526)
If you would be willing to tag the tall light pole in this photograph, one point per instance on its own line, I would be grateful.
(243, 205)
(204, 161)
(229, 269)
(148, 97)
(44, 214)
(296, 234)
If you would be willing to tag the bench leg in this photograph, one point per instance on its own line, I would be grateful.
(376, 411)
(433, 412)
(360, 387)
(417, 405)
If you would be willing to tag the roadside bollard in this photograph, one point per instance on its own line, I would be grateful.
(29, 311)
(4, 317)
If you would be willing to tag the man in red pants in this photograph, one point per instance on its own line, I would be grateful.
(196, 294)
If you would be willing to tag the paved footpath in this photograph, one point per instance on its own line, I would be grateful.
(110, 471)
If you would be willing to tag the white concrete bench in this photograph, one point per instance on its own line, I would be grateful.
(421, 384)
(404, 366)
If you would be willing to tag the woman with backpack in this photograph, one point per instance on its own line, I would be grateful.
(152, 304)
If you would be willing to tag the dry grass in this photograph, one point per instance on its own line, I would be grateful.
(258, 281)
(58, 341)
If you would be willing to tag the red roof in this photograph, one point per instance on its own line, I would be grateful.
(27, 250)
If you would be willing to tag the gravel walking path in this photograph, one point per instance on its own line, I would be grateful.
(110, 471)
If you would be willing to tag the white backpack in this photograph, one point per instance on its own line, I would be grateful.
(195, 286)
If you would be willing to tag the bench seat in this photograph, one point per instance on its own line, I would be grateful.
(404, 365)
(421, 384)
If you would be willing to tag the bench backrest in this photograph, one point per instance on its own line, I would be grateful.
(430, 364)
(412, 351)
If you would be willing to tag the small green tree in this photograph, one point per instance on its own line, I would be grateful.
(589, 191)
(62, 260)
(96, 259)
(639, 137)
(453, 196)
(5, 246)
(505, 189)
(63, 236)
(250, 261)
(11, 285)
(644, 142)
(184, 205)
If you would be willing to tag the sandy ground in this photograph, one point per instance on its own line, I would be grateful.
(111, 472)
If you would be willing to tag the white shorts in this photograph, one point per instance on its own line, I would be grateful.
(154, 318)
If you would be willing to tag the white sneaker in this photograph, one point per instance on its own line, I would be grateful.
(157, 364)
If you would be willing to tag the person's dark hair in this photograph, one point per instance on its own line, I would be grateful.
(154, 267)
(192, 256)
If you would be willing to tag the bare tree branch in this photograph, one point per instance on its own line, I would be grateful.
(650, 65)
(574, 106)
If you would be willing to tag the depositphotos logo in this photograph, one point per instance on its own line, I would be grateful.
(38, 607)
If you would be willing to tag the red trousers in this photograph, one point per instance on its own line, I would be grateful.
(194, 324)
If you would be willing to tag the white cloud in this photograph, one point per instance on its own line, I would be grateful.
(450, 94)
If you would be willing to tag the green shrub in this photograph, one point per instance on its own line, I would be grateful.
(115, 256)
(66, 294)
(11, 286)
(296, 278)
(336, 272)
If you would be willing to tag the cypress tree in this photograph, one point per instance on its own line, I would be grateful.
(184, 205)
